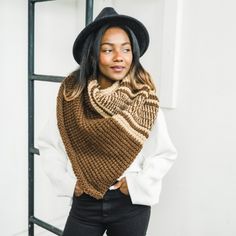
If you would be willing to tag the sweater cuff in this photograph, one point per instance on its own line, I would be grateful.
(142, 190)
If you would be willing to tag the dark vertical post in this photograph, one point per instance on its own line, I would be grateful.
(89, 11)
(31, 8)
(31, 78)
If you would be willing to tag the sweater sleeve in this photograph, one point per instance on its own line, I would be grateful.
(145, 186)
(54, 160)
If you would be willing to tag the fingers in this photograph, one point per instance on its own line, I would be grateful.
(122, 185)
(125, 191)
(119, 183)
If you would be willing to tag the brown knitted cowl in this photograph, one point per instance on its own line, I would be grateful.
(103, 130)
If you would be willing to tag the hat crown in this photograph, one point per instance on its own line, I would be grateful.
(106, 12)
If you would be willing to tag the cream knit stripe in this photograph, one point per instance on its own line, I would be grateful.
(135, 123)
(101, 106)
(102, 101)
(93, 102)
(135, 134)
(152, 101)
(129, 92)
(98, 109)
(122, 121)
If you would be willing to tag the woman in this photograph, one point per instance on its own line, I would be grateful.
(110, 148)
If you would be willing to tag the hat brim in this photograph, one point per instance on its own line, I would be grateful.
(136, 26)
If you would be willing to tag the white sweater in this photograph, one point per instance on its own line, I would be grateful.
(144, 176)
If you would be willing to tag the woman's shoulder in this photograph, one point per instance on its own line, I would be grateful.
(69, 81)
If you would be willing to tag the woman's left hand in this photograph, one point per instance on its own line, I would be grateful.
(122, 185)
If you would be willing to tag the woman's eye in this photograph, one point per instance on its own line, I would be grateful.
(126, 50)
(107, 50)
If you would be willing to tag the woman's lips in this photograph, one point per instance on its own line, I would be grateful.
(117, 68)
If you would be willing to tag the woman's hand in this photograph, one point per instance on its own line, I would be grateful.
(78, 191)
(122, 185)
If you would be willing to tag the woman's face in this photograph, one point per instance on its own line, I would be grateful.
(115, 56)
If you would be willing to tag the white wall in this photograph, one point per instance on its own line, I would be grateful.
(13, 119)
(203, 125)
(198, 196)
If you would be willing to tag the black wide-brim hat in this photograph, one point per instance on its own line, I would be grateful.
(109, 15)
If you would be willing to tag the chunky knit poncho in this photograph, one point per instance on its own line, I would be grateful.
(103, 130)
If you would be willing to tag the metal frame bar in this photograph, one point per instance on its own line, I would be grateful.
(34, 1)
(31, 79)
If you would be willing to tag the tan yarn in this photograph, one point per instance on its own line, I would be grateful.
(103, 130)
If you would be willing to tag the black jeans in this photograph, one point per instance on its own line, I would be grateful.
(114, 214)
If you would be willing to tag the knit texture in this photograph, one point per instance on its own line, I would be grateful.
(103, 130)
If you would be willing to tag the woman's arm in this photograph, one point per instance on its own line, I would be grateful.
(54, 159)
(145, 186)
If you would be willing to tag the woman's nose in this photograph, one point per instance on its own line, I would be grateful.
(118, 57)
